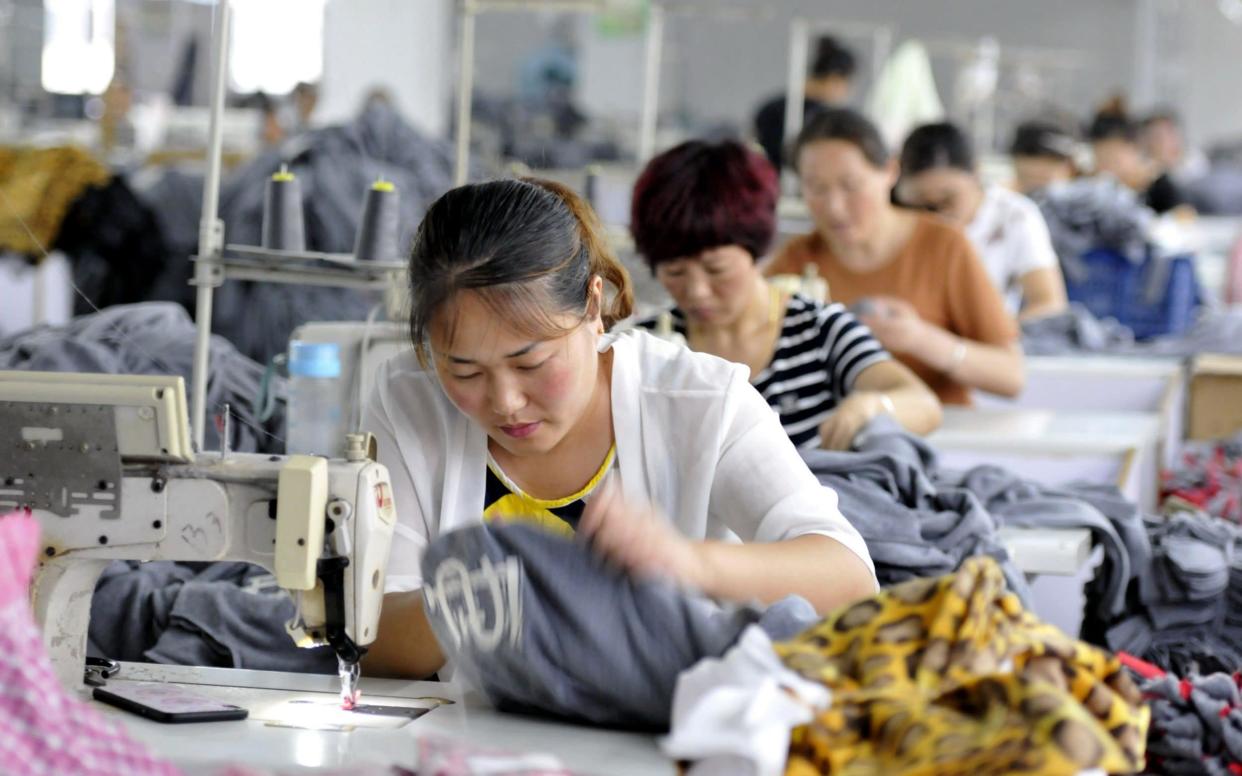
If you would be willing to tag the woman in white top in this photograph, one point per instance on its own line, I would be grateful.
(518, 404)
(938, 173)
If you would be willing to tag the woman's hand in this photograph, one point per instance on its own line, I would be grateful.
(895, 323)
(638, 539)
(837, 432)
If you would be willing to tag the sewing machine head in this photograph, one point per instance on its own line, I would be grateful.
(104, 462)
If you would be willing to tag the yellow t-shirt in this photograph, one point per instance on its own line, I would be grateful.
(504, 500)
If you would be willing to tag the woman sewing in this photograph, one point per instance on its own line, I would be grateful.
(519, 403)
(703, 215)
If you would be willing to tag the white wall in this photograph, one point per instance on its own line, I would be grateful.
(1211, 103)
(405, 46)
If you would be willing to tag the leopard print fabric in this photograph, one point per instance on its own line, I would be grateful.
(952, 676)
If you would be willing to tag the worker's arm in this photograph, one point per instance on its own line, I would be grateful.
(1043, 293)
(637, 538)
(406, 647)
(909, 400)
(820, 569)
(998, 369)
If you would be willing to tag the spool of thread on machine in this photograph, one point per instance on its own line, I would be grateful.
(283, 229)
(378, 226)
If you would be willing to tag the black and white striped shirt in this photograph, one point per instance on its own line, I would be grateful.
(820, 353)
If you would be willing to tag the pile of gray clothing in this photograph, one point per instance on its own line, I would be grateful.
(1186, 615)
(228, 615)
(919, 521)
(335, 166)
(913, 527)
(1091, 213)
(1078, 331)
(156, 338)
(541, 624)
(1196, 725)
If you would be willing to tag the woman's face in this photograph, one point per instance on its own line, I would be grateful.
(527, 394)
(712, 288)
(846, 194)
(947, 191)
(1032, 173)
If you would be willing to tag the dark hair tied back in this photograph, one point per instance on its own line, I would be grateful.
(528, 247)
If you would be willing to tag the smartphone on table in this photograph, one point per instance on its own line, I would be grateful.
(168, 703)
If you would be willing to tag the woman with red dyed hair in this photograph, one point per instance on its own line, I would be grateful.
(703, 214)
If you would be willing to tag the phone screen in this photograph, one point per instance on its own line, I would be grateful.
(168, 703)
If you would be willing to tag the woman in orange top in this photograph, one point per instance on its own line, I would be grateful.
(913, 279)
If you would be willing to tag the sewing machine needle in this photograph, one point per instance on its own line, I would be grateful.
(349, 673)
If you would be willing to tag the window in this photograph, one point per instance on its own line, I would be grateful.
(275, 44)
(78, 46)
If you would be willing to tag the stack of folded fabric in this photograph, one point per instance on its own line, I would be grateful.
(1187, 615)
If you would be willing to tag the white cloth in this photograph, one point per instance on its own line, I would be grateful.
(1012, 239)
(693, 438)
(904, 95)
(733, 715)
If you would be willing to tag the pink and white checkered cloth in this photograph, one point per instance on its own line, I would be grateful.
(44, 730)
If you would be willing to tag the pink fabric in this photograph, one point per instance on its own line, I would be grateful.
(43, 730)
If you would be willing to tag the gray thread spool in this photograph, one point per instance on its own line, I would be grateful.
(377, 229)
(283, 229)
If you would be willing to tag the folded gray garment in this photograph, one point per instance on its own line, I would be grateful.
(540, 624)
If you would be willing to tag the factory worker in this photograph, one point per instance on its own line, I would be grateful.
(939, 174)
(703, 216)
(519, 404)
(914, 280)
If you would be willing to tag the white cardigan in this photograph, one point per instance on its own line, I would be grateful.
(693, 438)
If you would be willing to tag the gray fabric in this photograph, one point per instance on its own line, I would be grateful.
(153, 338)
(1025, 504)
(1090, 213)
(540, 624)
(912, 526)
(1186, 612)
(335, 166)
(1201, 733)
(1078, 331)
(229, 615)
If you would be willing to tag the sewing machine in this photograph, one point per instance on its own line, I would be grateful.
(105, 464)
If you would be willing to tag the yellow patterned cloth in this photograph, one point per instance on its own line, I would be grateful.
(37, 188)
(504, 500)
(952, 676)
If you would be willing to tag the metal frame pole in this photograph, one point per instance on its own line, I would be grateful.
(651, 83)
(210, 228)
(465, 90)
(795, 93)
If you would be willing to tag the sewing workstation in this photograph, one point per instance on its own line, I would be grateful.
(619, 387)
